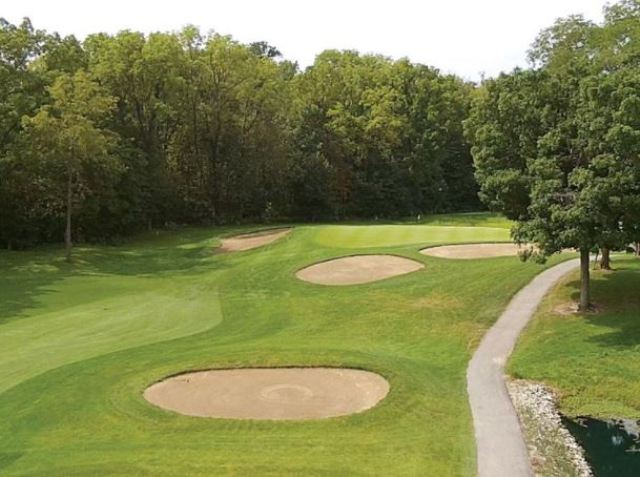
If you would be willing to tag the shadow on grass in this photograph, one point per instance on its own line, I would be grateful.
(8, 458)
(617, 296)
(26, 277)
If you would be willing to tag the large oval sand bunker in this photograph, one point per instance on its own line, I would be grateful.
(270, 393)
(252, 240)
(471, 251)
(358, 269)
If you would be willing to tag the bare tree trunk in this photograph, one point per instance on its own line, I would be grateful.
(67, 233)
(638, 249)
(605, 261)
(585, 292)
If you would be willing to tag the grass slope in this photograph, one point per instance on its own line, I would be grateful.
(79, 344)
(590, 359)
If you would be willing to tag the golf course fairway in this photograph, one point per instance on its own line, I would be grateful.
(80, 343)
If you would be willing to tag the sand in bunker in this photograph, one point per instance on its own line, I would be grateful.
(252, 240)
(470, 251)
(270, 393)
(358, 269)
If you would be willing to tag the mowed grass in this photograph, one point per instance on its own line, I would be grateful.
(359, 236)
(591, 359)
(429, 231)
(79, 343)
(470, 219)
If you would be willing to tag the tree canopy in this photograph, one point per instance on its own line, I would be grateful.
(557, 147)
(196, 128)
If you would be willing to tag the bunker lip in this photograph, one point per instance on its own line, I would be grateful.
(248, 241)
(270, 393)
(473, 251)
(358, 269)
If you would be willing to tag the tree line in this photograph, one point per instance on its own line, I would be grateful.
(557, 146)
(118, 133)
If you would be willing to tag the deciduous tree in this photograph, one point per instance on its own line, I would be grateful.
(67, 138)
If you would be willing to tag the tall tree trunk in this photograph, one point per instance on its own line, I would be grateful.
(605, 261)
(638, 249)
(67, 232)
(585, 292)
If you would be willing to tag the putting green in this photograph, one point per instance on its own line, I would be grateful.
(357, 236)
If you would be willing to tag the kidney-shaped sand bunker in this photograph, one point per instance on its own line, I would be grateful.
(471, 251)
(270, 393)
(239, 243)
(358, 269)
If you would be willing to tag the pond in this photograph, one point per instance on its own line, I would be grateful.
(612, 447)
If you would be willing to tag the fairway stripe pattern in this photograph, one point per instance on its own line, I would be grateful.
(501, 449)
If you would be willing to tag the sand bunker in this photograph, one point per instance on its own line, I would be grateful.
(358, 269)
(470, 251)
(270, 393)
(252, 240)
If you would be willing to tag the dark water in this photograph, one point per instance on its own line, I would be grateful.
(611, 447)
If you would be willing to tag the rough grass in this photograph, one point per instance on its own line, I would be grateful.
(79, 344)
(590, 359)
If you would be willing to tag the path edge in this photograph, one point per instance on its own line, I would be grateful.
(500, 444)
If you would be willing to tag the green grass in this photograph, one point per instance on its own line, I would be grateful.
(358, 236)
(79, 344)
(471, 219)
(591, 359)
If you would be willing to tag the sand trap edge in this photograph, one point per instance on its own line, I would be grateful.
(375, 375)
(421, 267)
(513, 250)
(222, 248)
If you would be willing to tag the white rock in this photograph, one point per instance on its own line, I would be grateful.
(552, 448)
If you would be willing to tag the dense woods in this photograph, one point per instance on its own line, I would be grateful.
(557, 147)
(114, 134)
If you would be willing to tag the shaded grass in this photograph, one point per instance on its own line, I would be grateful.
(121, 318)
(590, 359)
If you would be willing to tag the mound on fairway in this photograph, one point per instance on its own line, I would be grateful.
(471, 251)
(270, 393)
(252, 240)
(358, 269)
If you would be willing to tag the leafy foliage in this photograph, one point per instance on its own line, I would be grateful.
(557, 148)
(204, 129)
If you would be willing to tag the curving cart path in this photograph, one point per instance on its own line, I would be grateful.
(500, 445)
